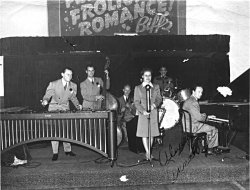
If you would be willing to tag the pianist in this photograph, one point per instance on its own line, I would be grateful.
(59, 93)
(192, 106)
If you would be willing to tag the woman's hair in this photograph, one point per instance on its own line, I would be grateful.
(146, 70)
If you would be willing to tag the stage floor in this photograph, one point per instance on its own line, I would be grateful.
(90, 169)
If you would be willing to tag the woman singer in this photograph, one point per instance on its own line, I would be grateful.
(146, 119)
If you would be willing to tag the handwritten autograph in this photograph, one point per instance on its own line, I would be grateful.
(170, 154)
(182, 167)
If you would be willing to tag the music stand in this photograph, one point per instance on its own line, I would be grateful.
(148, 109)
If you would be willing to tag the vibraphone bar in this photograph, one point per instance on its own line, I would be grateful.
(95, 130)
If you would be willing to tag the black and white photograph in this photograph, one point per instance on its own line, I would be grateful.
(124, 94)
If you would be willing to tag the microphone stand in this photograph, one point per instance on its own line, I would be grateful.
(148, 109)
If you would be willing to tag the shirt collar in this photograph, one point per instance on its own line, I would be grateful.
(91, 79)
(145, 83)
(64, 82)
(194, 97)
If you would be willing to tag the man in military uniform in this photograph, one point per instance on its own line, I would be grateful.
(166, 83)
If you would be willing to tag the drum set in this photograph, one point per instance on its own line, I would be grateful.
(169, 114)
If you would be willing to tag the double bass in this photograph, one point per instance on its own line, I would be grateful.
(109, 103)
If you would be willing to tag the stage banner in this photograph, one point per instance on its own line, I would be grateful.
(109, 17)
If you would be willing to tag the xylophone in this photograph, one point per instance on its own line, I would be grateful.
(95, 130)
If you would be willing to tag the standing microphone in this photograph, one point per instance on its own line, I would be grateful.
(148, 99)
(77, 77)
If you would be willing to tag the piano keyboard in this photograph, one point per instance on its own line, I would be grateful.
(218, 120)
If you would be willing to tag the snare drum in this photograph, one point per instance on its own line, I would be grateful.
(171, 113)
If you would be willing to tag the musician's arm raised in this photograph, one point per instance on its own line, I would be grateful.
(107, 82)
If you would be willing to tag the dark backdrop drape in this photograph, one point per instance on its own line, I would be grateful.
(27, 75)
(26, 78)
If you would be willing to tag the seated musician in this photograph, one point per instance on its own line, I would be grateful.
(198, 126)
(141, 106)
(126, 112)
(60, 92)
(91, 89)
(166, 83)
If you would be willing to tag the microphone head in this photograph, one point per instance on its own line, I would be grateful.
(148, 87)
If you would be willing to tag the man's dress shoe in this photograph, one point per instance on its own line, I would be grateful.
(70, 153)
(217, 151)
(212, 151)
(55, 157)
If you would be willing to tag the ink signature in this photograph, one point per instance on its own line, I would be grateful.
(170, 154)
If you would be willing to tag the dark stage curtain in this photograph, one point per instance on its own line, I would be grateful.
(31, 63)
(26, 78)
(113, 44)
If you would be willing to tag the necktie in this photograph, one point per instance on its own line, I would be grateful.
(65, 86)
(93, 81)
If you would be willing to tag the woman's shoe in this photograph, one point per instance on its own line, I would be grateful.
(209, 151)
(55, 157)
(148, 157)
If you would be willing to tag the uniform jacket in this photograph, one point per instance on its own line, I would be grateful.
(60, 97)
(192, 106)
(164, 83)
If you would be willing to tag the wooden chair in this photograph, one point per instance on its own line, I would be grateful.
(192, 138)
